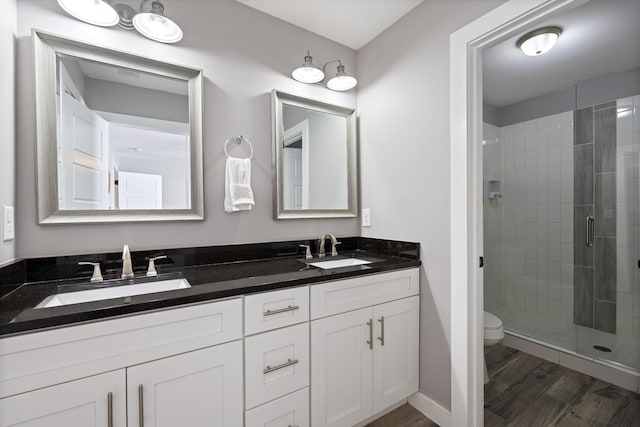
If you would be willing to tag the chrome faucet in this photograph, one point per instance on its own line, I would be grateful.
(334, 243)
(127, 270)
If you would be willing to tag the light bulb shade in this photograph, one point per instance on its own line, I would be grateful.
(307, 72)
(342, 81)
(95, 12)
(540, 41)
(156, 26)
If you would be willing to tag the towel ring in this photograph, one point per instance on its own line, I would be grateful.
(238, 140)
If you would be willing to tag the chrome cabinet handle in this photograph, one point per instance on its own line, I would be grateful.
(281, 310)
(289, 362)
(140, 406)
(109, 409)
(589, 231)
(370, 342)
(381, 337)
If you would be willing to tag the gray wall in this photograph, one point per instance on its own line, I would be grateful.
(8, 34)
(102, 95)
(403, 103)
(244, 54)
(583, 94)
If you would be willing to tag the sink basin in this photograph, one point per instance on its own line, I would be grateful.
(337, 263)
(89, 295)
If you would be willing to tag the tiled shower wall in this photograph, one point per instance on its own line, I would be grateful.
(528, 232)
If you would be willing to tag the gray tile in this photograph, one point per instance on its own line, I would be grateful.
(583, 296)
(605, 213)
(611, 104)
(605, 318)
(605, 140)
(605, 268)
(582, 254)
(583, 175)
(583, 126)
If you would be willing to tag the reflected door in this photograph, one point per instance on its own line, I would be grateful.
(139, 190)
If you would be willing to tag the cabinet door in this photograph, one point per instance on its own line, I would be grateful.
(81, 403)
(395, 356)
(341, 369)
(200, 388)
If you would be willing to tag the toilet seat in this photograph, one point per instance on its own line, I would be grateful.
(491, 321)
(493, 330)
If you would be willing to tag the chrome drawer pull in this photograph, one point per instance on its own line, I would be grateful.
(370, 342)
(289, 362)
(109, 409)
(140, 406)
(281, 310)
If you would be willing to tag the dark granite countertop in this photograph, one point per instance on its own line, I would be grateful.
(208, 282)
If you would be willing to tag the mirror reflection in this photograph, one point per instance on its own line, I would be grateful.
(122, 138)
(315, 162)
(314, 159)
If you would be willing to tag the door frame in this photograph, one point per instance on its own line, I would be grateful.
(465, 91)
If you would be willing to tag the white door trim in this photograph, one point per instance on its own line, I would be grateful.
(465, 65)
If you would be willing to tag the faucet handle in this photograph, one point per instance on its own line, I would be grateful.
(307, 254)
(151, 270)
(97, 274)
(334, 252)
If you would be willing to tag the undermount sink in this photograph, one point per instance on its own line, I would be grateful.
(89, 295)
(337, 263)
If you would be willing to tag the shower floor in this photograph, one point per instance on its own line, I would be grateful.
(625, 350)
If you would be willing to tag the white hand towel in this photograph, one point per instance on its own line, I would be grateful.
(238, 195)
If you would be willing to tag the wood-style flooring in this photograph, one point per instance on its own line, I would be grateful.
(528, 391)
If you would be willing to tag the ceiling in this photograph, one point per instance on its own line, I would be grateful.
(352, 23)
(599, 37)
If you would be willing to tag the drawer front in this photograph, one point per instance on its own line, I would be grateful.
(340, 296)
(276, 363)
(291, 410)
(277, 309)
(83, 350)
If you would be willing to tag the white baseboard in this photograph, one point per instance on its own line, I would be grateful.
(431, 409)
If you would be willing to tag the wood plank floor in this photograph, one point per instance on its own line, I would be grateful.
(529, 392)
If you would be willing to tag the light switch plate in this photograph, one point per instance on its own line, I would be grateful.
(366, 217)
(8, 223)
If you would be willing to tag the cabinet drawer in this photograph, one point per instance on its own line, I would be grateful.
(83, 350)
(276, 363)
(277, 309)
(345, 295)
(291, 410)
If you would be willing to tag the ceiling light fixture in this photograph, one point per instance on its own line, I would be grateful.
(310, 73)
(540, 41)
(95, 12)
(155, 25)
(307, 72)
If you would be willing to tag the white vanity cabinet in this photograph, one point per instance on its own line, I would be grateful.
(366, 359)
(184, 366)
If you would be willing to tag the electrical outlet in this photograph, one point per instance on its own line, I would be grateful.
(8, 223)
(366, 217)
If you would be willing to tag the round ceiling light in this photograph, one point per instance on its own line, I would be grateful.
(540, 41)
(95, 12)
(156, 26)
(307, 72)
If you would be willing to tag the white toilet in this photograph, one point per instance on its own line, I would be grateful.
(493, 334)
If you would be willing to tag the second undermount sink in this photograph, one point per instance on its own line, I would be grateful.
(337, 263)
(89, 295)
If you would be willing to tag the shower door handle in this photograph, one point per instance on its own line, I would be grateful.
(588, 231)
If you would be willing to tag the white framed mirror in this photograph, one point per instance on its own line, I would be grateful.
(314, 158)
(119, 136)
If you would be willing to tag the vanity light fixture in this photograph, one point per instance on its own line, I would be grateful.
(309, 73)
(155, 24)
(95, 12)
(540, 41)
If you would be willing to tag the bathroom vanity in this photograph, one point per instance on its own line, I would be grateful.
(262, 342)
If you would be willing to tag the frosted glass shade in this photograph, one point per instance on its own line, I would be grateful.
(308, 74)
(157, 27)
(95, 12)
(341, 81)
(540, 41)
